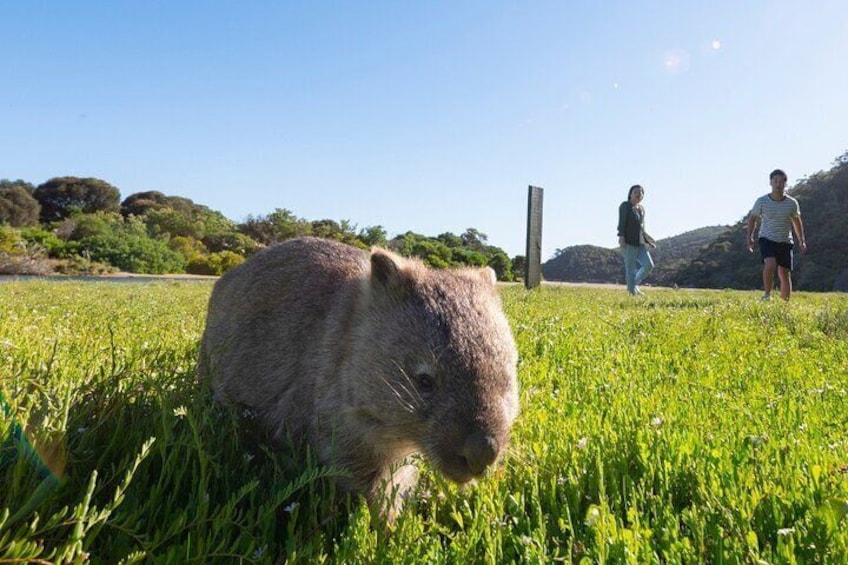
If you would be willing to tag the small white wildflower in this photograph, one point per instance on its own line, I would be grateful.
(260, 551)
(526, 540)
(593, 516)
(581, 445)
(291, 507)
(656, 422)
(180, 411)
(82, 430)
(785, 531)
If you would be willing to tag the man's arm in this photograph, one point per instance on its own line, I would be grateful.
(752, 224)
(798, 226)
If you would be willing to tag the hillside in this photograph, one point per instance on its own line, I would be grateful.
(584, 263)
(716, 256)
(589, 263)
(823, 198)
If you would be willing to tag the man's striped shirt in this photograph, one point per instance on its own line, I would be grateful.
(776, 217)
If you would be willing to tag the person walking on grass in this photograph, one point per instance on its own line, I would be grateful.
(778, 214)
(633, 240)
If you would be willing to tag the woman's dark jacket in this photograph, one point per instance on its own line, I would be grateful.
(631, 224)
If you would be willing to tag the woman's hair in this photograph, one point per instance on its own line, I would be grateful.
(632, 188)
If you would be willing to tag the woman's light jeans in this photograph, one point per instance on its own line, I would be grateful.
(633, 255)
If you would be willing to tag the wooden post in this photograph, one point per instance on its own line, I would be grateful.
(533, 262)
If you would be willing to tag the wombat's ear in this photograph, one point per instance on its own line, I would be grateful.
(388, 273)
(488, 275)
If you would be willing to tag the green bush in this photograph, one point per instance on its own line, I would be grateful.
(132, 253)
(214, 263)
(11, 242)
(47, 240)
(189, 247)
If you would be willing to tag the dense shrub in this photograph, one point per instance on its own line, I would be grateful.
(214, 263)
(132, 253)
(18, 257)
(47, 240)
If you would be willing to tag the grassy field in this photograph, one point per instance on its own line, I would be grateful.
(686, 427)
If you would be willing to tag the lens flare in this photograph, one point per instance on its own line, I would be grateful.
(676, 61)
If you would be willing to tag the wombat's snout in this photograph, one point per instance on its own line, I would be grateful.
(480, 451)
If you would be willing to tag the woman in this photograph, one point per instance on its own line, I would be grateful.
(633, 240)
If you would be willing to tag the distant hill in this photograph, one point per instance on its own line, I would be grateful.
(674, 253)
(716, 256)
(584, 263)
(589, 263)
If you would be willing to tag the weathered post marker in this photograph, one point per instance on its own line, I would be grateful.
(533, 263)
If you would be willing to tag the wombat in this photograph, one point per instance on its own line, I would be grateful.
(366, 359)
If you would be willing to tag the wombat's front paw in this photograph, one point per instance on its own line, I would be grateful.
(390, 495)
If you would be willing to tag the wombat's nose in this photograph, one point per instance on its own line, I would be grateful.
(480, 451)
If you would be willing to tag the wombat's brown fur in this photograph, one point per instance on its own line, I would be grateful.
(368, 360)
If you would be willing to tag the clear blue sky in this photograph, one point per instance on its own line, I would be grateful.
(430, 116)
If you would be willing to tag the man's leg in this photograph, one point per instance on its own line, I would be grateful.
(769, 267)
(785, 276)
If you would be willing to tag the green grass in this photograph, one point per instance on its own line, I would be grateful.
(688, 427)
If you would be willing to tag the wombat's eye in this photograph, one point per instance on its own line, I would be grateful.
(426, 383)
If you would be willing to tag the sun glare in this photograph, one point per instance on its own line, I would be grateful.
(676, 61)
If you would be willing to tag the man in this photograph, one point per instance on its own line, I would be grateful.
(778, 214)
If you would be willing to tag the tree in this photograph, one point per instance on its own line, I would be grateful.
(463, 256)
(451, 240)
(6, 183)
(474, 239)
(404, 243)
(164, 222)
(331, 229)
(18, 207)
(60, 197)
(231, 241)
(279, 225)
(434, 253)
(519, 263)
(499, 261)
(140, 203)
(373, 236)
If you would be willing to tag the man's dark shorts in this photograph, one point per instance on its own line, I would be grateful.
(782, 252)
